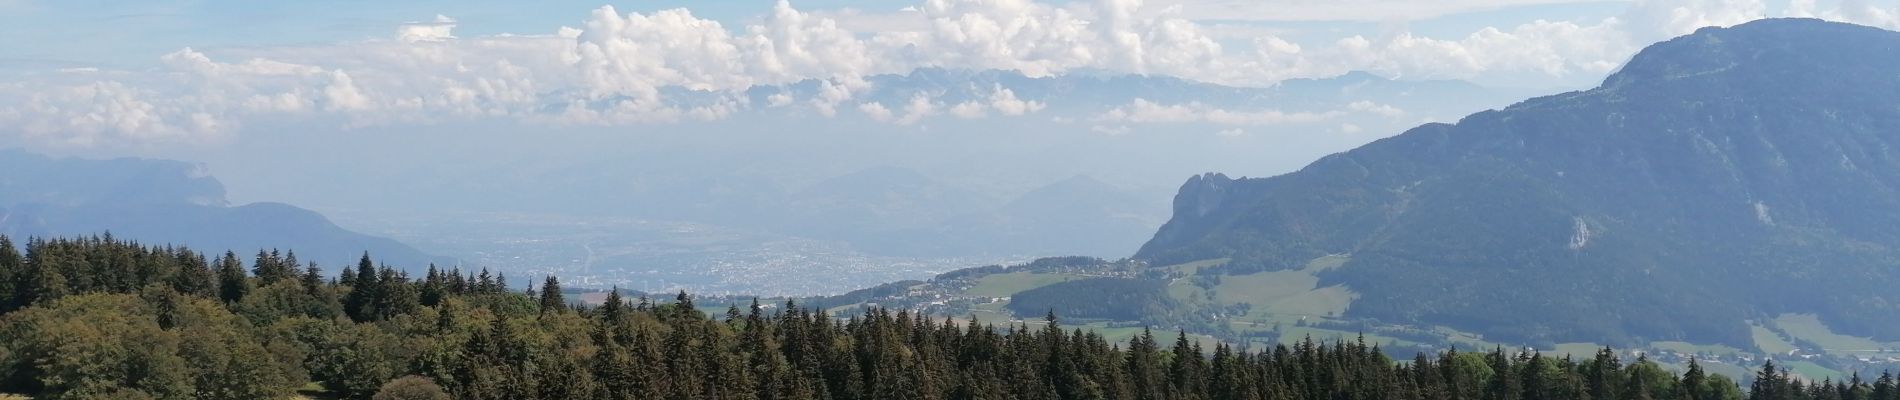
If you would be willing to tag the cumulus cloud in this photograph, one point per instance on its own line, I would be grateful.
(441, 28)
(920, 107)
(1855, 11)
(1375, 109)
(1144, 111)
(1001, 99)
(876, 111)
(620, 67)
(89, 114)
(1337, 10)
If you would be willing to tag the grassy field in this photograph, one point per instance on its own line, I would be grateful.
(1577, 350)
(1193, 267)
(1004, 285)
(1290, 292)
(1691, 348)
(993, 313)
(1768, 342)
(1811, 371)
(1326, 263)
(1810, 328)
(1264, 288)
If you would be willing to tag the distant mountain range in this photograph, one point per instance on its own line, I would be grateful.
(163, 202)
(1716, 181)
(961, 188)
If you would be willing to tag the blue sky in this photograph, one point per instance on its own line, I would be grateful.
(129, 33)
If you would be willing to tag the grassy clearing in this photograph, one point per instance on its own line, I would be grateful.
(1575, 350)
(991, 313)
(1810, 328)
(1325, 263)
(1691, 348)
(1005, 285)
(1812, 371)
(1768, 342)
(1264, 288)
(1285, 292)
(1328, 301)
(1185, 291)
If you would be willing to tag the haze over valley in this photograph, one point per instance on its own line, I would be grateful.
(952, 199)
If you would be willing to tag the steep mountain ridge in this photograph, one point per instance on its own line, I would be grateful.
(170, 202)
(1719, 177)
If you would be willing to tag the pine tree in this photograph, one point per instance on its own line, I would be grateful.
(12, 268)
(1604, 375)
(232, 283)
(1884, 387)
(396, 295)
(434, 287)
(1693, 382)
(271, 268)
(365, 292)
(551, 301)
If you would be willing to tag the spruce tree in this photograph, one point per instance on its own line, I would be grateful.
(365, 292)
(232, 283)
(12, 267)
(551, 300)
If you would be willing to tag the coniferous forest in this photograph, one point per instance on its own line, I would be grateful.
(97, 318)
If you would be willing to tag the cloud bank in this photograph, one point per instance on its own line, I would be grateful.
(666, 66)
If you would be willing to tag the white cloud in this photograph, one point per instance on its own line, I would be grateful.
(1336, 10)
(779, 100)
(440, 29)
(1855, 11)
(1144, 111)
(876, 111)
(1001, 99)
(341, 94)
(1375, 109)
(920, 107)
(87, 115)
(1654, 20)
(968, 110)
(1231, 132)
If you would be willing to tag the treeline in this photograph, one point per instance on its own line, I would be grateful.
(100, 318)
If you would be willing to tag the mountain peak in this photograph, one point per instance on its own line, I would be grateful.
(1799, 49)
(1713, 172)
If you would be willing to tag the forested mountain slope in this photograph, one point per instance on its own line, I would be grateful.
(1723, 176)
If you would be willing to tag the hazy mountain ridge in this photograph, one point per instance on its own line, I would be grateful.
(899, 203)
(1723, 176)
(170, 202)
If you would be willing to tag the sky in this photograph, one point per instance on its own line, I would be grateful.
(106, 77)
